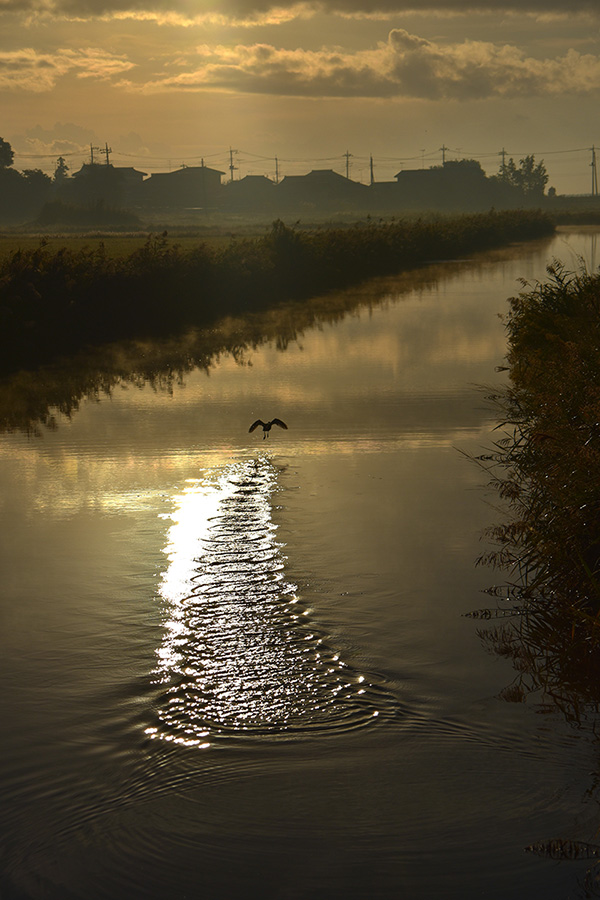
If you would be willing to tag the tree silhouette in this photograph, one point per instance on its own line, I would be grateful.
(60, 173)
(6, 154)
(529, 178)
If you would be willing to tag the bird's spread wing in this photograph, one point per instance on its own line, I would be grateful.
(256, 424)
(279, 422)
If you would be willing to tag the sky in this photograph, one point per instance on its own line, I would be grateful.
(292, 86)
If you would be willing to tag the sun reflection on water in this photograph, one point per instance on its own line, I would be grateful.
(240, 657)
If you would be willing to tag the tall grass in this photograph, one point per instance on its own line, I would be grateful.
(546, 466)
(53, 302)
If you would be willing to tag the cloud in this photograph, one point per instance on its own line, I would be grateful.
(30, 70)
(405, 65)
(463, 6)
(164, 12)
(71, 140)
(62, 131)
(63, 139)
(254, 12)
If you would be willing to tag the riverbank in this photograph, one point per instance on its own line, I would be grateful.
(547, 464)
(54, 302)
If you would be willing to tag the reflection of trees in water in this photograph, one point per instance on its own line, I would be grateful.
(31, 400)
(556, 667)
(563, 850)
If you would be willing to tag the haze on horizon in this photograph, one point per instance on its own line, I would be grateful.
(166, 83)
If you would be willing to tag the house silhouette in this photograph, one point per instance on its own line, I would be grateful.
(188, 187)
(321, 189)
(253, 193)
(114, 185)
(455, 184)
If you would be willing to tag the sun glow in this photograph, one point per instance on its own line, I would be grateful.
(238, 658)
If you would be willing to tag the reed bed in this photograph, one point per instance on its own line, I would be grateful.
(546, 466)
(53, 302)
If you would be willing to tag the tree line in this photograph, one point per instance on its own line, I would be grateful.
(32, 195)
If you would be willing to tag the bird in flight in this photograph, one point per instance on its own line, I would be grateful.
(266, 426)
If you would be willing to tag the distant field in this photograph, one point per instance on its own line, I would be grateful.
(118, 244)
(218, 234)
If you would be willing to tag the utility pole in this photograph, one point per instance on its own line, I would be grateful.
(371, 169)
(503, 164)
(594, 173)
(232, 168)
(276, 171)
(92, 153)
(347, 154)
(107, 151)
(443, 148)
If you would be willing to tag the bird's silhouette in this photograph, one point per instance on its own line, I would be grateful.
(266, 426)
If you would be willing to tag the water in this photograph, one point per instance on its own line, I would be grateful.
(236, 667)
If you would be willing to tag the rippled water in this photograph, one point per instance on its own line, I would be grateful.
(240, 656)
(236, 667)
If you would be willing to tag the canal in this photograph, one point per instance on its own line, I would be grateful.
(240, 666)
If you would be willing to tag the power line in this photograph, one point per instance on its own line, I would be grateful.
(49, 155)
(224, 159)
(301, 159)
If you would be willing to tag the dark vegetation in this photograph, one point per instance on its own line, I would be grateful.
(546, 468)
(53, 303)
(98, 215)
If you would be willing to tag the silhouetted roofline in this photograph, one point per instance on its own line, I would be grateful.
(102, 167)
(187, 169)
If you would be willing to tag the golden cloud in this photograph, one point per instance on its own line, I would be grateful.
(273, 16)
(30, 70)
(261, 12)
(405, 65)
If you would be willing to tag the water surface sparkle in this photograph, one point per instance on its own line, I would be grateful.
(240, 657)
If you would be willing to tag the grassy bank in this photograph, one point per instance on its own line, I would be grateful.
(547, 465)
(55, 301)
(122, 244)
